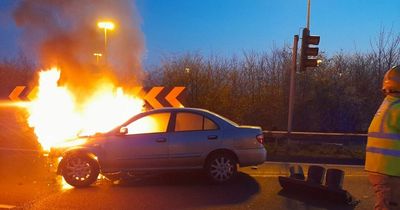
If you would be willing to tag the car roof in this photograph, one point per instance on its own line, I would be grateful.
(179, 109)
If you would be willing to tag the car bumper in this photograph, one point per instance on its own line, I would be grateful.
(251, 157)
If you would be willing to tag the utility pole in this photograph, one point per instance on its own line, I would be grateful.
(292, 83)
(308, 14)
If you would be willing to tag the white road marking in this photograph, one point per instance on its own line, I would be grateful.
(5, 206)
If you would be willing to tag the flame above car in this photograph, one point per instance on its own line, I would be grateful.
(58, 116)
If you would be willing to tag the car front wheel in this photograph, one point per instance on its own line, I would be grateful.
(221, 168)
(80, 170)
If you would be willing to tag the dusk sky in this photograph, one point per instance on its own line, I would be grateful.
(227, 27)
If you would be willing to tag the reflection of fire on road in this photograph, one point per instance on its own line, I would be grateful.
(57, 116)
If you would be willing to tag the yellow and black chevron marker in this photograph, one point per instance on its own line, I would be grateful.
(155, 97)
(158, 97)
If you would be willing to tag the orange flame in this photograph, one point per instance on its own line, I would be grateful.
(57, 116)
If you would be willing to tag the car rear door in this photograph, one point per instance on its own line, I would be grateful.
(190, 140)
(143, 146)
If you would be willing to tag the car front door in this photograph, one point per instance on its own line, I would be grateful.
(143, 144)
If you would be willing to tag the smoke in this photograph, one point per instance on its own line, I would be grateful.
(64, 33)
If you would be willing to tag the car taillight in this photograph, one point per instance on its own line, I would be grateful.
(260, 138)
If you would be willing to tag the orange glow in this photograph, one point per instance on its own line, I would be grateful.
(144, 125)
(64, 185)
(106, 25)
(57, 117)
(20, 104)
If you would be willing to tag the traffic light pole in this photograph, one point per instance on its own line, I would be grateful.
(292, 84)
(305, 61)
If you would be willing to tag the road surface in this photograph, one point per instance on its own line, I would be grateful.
(254, 188)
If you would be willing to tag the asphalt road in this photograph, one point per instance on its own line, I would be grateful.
(253, 189)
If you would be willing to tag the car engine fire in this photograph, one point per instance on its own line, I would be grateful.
(57, 116)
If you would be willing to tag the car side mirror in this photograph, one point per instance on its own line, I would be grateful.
(123, 131)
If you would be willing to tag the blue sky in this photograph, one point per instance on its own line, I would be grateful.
(227, 27)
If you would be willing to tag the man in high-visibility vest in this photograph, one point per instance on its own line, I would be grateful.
(383, 148)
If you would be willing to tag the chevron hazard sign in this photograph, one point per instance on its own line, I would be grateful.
(22, 93)
(155, 97)
(158, 97)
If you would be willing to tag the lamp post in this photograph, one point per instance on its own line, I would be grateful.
(106, 25)
(98, 55)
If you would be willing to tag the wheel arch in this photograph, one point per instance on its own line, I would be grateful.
(221, 151)
(73, 152)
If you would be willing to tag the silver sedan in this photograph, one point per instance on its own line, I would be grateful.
(166, 139)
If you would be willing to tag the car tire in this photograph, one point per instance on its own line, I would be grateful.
(80, 170)
(221, 168)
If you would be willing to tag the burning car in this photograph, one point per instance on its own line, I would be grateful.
(163, 140)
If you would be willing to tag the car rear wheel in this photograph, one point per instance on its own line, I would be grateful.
(221, 168)
(80, 170)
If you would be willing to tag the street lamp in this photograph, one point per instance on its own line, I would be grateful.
(98, 55)
(187, 70)
(106, 25)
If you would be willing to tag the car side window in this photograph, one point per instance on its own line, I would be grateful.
(153, 123)
(193, 122)
(209, 124)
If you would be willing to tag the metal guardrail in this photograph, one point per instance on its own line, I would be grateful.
(345, 143)
(317, 137)
(286, 133)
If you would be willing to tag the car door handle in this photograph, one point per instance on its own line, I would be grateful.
(160, 140)
(212, 137)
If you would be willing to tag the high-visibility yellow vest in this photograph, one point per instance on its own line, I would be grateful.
(383, 147)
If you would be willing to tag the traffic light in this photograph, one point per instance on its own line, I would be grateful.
(307, 50)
